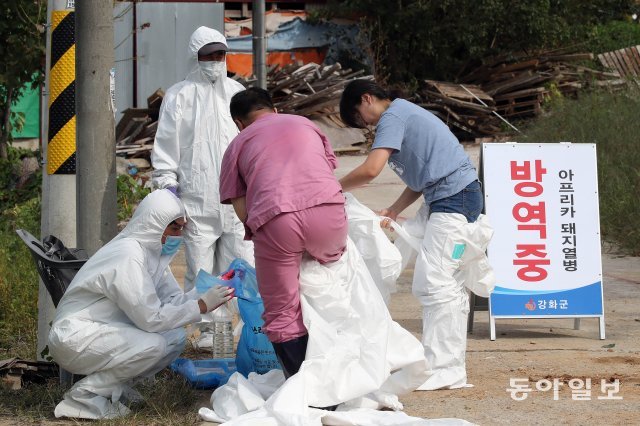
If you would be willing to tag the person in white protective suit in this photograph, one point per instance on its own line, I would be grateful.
(194, 130)
(428, 158)
(123, 314)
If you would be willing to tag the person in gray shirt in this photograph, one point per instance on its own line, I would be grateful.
(428, 158)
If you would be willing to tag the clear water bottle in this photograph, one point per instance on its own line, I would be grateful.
(222, 333)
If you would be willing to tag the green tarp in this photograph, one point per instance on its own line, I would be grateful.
(29, 105)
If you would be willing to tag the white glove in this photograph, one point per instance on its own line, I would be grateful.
(216, 296)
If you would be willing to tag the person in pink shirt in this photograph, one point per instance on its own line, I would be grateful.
(278, 174)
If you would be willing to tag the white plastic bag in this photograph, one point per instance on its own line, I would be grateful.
(382, 258)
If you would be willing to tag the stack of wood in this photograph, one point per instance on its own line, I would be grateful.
(136, 129)
(491, 96)
(466, 109)
(310, 90)
(520, 88)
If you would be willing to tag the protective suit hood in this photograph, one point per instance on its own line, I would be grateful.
(154, 213)
(201, 37)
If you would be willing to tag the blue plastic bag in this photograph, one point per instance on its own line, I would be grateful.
(255, 352)
(205, 373)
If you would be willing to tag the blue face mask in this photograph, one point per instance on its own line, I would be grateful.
(171, 245)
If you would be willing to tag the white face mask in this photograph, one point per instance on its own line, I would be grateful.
(213, 70)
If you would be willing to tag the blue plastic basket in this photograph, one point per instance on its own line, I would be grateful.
(205, 373)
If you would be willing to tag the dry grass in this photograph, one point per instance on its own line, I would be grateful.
(168, 401)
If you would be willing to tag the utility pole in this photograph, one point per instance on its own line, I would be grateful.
(96, 175)
(259, 43)
(58, 144)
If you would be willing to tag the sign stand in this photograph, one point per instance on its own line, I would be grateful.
(542, 200)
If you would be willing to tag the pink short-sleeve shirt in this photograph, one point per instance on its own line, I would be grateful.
(281, 163)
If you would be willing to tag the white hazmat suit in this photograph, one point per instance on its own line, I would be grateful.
(450, 260)
(194, 130)
(122, 317)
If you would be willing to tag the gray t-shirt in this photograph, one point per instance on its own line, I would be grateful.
(427, 156)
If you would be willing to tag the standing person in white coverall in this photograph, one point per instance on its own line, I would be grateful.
(123, 314)
(428, 158)
(194, 130)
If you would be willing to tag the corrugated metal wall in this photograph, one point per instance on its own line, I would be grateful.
(161, 47)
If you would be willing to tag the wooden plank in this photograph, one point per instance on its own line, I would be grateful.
(467, 105)
(605, 62)
(455, 91)
(519, 83)
(346, 149)
(571, 57)
(606, 57)
(634, 59)
(144, 141)
(627, 63)
(520, 93)
(155, 100)
(532, 63)
(127, 115)
(133, 129)
(601, 74)
(614, 58)
(133, 150)
(316, 107)
(609, 83)
(628, 68)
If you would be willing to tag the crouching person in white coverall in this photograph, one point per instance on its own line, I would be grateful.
(194, 130)
(122, 316)
(431, 162)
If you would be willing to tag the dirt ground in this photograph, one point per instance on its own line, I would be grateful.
(543, 349)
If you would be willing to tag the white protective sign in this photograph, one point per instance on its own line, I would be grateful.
(543, 203)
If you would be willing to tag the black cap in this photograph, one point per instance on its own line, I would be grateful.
(210, 48)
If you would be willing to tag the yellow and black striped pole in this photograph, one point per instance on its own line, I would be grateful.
(61, 150)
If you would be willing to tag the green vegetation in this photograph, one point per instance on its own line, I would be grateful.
(19, 208)
(130, 193)
(22, 50)
(612, 36)
(611, 122)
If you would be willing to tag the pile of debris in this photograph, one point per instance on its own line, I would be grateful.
(136, 130)
(310, 90)
(497, 92)
(16, 372)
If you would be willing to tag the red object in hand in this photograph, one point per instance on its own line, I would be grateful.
(228, 276)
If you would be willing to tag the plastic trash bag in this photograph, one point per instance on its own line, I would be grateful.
(254, 352)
